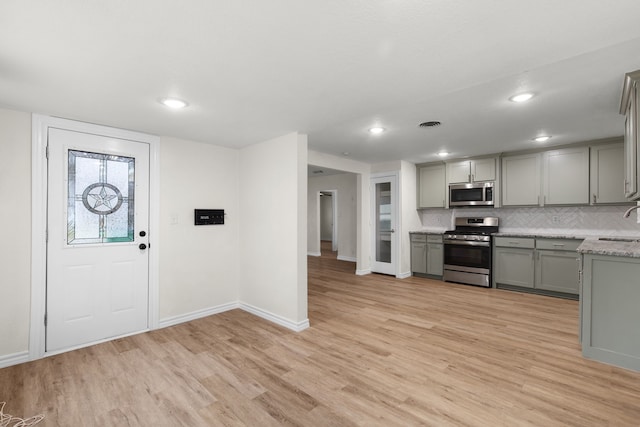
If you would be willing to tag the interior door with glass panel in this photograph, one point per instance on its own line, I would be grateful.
(384, 225)
(97, 256)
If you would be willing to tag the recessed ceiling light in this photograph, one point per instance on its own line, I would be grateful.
(173, 103)
(542, 138)
(346, 153)
(376, 130)
(443, 153)
(521, 97)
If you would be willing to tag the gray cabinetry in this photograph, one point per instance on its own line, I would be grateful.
(419, 253)
(565, 176)
(629, 108)
(607, 174)
(427, 254)
(471, 171)
(514, 262)
(435, 255)
(521, 180)
(557, 265)
(610, 315)
(431, 186)
(543, 265)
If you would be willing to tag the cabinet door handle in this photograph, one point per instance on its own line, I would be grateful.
(558, 244)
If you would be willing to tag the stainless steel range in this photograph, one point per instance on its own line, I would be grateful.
(467, 251)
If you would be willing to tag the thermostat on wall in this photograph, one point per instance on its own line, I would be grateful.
(209, 216)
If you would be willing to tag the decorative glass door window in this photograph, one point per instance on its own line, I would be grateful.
(100, 198)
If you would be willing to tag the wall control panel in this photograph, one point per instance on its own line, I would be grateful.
(209, 216)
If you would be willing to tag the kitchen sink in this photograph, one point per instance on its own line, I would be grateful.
(619, 239)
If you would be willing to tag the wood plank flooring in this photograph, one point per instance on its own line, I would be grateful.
(380, 352)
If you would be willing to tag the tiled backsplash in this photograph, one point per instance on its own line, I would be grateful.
(584, 220)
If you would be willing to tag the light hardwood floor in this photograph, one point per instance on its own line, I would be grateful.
(380, 351)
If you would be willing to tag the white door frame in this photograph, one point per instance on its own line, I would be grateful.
(395, 242)
(39, 129)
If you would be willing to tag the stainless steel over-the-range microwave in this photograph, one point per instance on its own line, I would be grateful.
(472, 194)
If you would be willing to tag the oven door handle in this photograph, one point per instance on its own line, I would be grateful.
(466, 243)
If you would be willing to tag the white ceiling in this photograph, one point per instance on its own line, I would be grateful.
(255, 69)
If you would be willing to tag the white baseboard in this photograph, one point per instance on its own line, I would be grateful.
(403, 275)
(14, 359)
(363, 272)
(171, 321)
(314, 253)
(279, 320)
(346, 258)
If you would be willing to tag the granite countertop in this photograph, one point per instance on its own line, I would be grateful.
(541, 235)
(429, 231)
(591, 243)
(594, 246)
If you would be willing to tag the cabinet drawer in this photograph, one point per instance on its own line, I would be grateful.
(514, 242)
(434, 238)
(415, 237)
(558, 244)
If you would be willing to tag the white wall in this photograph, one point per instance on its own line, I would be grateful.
(199, 265)
(273, 238)
(347, 187)
(15, 216)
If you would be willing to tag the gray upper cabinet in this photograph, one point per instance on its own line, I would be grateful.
(607, 174)
(471, 171)
(629, 108)
(565, 176)
(431, 186)
(521, 180)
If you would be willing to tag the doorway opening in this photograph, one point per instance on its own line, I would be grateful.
(328, 203)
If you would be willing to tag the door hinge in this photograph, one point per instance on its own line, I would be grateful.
(47, 152)
(45, 319)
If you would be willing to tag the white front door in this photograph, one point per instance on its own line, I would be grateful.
(97, 247)
(385, 238)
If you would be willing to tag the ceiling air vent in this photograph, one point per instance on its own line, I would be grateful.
(429, 124)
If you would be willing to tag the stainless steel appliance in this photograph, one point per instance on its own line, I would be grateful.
(467, 251)
(473, 194)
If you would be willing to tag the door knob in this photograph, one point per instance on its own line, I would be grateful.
(142, 246)
(143, 233)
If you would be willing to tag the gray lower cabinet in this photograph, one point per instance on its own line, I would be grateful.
(435, 255)
(514, 266)
(544, 265)
(609, 308)
(427, 254)
(557, 271)
(419, 253)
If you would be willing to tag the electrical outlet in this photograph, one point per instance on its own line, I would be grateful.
(555, 219)
(173, 219)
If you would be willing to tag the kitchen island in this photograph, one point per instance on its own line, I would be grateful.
(610, 301)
